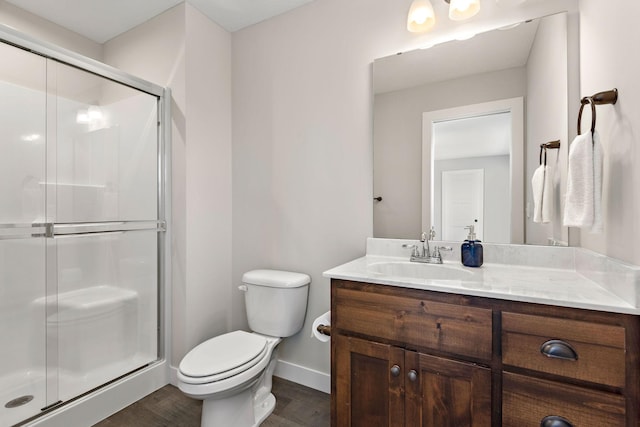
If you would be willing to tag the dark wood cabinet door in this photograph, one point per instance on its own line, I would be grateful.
(368, 384)
(446, 393)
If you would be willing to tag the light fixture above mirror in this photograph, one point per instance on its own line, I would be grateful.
(422, 18)
(459, 10)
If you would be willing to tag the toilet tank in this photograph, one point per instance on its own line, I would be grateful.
(276, 301)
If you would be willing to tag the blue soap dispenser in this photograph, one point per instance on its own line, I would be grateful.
(471, 250)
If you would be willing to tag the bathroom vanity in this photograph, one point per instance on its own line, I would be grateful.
(508, 344)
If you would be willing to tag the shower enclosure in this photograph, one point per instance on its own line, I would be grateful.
(82, 226)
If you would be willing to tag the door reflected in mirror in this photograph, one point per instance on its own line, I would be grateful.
(413, 93)
(472, 149)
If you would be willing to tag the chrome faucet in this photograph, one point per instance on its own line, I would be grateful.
(425, 249)
(427, 255)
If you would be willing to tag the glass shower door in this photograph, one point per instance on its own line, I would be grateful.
(80, 232)
(23, 285)
(103, 199)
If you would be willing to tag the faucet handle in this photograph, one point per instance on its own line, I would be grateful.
(445, 248)
(414, 249)
(423, 237)
(432, 233)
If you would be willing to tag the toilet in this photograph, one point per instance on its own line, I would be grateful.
(231, 373)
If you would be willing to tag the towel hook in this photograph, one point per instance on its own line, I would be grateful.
(548, 145)
(543, 148)
(606, 97)
(600, 98)
(587, 100)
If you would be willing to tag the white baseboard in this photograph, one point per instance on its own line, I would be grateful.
(302, 375)
(173, 376)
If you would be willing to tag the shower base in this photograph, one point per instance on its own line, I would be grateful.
(31, 383)
(70, 385)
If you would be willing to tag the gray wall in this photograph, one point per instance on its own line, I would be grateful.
(607, 60)
(547, 120)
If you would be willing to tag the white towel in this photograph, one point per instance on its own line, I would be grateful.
(537, 184)
(584, 183)
(548, 194)
(598, 157)
(542, 183)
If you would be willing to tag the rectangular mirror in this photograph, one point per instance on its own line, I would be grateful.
(457, 134)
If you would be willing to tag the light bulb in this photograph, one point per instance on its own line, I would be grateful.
(421, 16)
(460, 10)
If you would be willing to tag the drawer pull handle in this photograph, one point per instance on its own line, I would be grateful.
(395, 370)
(555, 421)
(413, 375)
(558, 350)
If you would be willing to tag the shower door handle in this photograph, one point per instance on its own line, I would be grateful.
(24, 231)
(106, 227)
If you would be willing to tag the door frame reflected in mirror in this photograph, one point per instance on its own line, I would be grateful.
(516, 181)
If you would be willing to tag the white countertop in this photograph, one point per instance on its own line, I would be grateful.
(565, 287)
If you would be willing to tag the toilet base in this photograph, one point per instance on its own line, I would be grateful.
(264, 409)
(233, 411)
(238, 410)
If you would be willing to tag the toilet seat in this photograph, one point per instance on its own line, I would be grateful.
(223, 357)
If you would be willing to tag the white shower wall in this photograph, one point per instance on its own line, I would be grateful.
(101, 175)
(105, 323)
(22, 261)
(22, 321)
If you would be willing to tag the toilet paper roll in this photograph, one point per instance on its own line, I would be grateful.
(325, 320)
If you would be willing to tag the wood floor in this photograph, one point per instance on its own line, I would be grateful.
(296, 406)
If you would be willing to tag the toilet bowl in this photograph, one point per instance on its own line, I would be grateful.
(230, 366)
(232, 372)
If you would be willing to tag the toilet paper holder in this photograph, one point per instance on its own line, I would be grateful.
(324, 329)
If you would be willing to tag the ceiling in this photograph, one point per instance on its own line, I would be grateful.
(102, 20)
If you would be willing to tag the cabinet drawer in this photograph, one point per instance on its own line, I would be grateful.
(440, 326)
(528, 401)
(599, 350)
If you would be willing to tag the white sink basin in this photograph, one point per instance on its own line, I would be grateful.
(416, 270)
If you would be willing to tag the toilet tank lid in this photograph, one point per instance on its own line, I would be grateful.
(276, 278)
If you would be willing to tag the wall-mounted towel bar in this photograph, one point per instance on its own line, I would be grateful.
(600, 98)
(551, 145)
